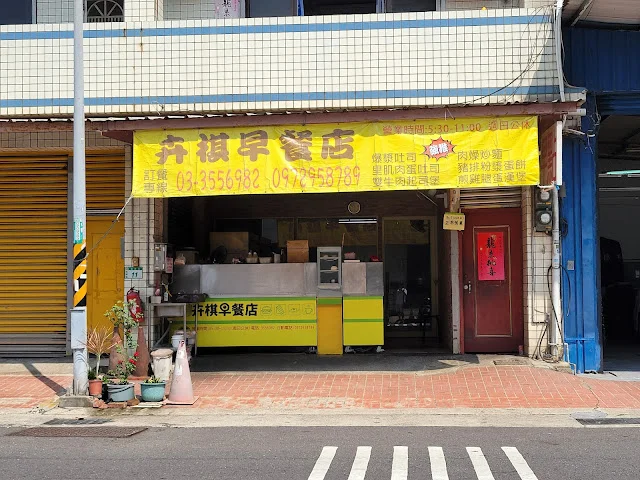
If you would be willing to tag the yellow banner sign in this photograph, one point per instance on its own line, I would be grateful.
(346, 157)
(248, 322)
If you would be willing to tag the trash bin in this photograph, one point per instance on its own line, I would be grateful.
(162, 363)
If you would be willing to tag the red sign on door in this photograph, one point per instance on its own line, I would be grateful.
(491, 256)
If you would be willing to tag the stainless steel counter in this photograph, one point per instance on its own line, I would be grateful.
(273, 280)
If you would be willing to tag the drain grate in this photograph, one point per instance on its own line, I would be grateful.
(609, 421)
(104, 432)
(78, 421)
(511, 361)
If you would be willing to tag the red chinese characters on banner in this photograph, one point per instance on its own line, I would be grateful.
(491, 256)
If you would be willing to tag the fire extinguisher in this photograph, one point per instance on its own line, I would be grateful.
(136, 308)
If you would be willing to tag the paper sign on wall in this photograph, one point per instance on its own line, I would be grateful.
(490, 256)
(453, 221)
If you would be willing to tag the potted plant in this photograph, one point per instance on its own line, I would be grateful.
(119, 389)
(152, 390)
(99, 342)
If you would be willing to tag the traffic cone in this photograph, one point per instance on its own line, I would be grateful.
(142, 362)
(115, 354)
(181, 387)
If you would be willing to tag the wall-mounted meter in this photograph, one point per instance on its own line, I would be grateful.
(543, 211)
(159, 257)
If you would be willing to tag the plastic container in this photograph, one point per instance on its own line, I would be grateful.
(176, 339)
(152, 392)
(120, 393)
(162, 363)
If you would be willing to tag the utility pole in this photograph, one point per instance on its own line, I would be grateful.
(79, 310)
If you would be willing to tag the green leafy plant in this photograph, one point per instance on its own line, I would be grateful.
(153, 379)
(91, 374)
(121, 317)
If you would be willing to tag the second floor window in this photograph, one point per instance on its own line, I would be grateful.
(104, 10)
(16, 12)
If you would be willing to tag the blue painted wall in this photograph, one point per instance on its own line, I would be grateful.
(581, 295)
(607, 63)
(604, 61)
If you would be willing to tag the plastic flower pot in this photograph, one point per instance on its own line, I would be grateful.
(120, 393)
(95, 388)
(152, 392)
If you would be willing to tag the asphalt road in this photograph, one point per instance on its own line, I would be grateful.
(293, 453)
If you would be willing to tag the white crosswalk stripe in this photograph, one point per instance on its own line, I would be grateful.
(360, 464)
(323, 463)
(438, 464)
(400, 463)
(519, 463)
(480, 465)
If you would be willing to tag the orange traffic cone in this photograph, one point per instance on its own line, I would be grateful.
(181, 388)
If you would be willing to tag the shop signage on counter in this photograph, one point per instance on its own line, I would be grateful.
(345, 157)
(278, 321)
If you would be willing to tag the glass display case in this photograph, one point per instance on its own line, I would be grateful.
(330, 267)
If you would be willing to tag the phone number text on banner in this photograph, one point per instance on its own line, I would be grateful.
(347, 157)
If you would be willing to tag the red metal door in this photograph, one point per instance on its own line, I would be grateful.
(492, 281)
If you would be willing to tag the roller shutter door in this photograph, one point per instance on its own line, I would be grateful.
(105, 183)
(491, 197)
(33, 255)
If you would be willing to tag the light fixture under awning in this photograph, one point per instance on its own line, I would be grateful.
(358, 220)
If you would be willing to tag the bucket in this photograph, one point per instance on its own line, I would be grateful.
(162, 363)
(120, 393)
(176, 339)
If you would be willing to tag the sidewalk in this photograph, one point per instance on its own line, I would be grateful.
(455, 384)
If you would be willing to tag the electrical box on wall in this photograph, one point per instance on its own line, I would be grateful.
(159, 257)
(543, 212)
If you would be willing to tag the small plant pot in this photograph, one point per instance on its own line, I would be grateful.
(95, 388)
(120, 393)
(152, 392)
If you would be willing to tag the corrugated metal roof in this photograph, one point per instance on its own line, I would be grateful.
(621, 12)
(603, 61)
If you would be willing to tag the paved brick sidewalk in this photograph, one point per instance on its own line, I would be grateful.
(28, 391)
(470, 387)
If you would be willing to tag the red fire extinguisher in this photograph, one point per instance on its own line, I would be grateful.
(136, 308)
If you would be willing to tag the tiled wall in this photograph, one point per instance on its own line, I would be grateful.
(537, 299)
(144, 226)
(46, 140)
(283, 64)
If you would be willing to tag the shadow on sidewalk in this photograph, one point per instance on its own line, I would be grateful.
(58, 389)
(301, 362)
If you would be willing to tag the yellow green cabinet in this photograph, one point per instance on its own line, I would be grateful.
(363, 321)
(330, 326)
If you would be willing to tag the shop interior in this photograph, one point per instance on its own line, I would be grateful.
(619, 208)
(401, 229)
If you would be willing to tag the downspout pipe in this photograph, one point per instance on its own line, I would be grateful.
(556, 277)
(557, 33)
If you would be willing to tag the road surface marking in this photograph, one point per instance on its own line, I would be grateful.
(519, 463)
(323, 463)
(360, 464)
(438, 464)
(480, 465)
(400, 465)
